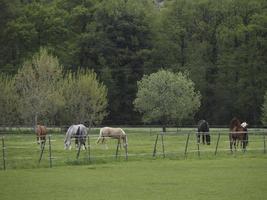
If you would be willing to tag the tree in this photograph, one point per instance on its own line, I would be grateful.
(86, 98)
(242, 63)
(167, 98)
(38, 86)
(8, 101)
(264, 110)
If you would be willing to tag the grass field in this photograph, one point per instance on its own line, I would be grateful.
(200, 176)
(227, 178)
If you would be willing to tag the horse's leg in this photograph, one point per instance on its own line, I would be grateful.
(235, 143)
(83, 143)
(43, 139)
(231, 142)
(203, 138)
(120, 141)
(198, 137)
(207, 138)
(98, 140)
(243, 142)
(104, 141)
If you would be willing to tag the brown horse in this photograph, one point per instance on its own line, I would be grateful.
(41, 132)
(238, 133)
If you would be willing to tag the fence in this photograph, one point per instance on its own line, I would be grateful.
(22, 151)
(188, 142)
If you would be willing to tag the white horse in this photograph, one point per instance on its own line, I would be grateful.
(115, 133)
(79, 132)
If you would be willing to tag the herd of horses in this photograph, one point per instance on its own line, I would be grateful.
(238, 134)
(79, 132)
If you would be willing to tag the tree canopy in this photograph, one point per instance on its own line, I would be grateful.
(166, 98)
(222, 44)
(42, 93)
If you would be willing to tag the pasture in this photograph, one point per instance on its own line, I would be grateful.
(22, 150)
(222, 179)
(198, 175)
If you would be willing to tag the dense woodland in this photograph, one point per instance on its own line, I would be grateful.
(221, 44)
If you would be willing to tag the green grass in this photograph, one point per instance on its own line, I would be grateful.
(223, 178)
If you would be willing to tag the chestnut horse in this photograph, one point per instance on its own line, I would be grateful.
(41, 132)
(238, 133)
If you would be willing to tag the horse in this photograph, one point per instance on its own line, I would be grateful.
(245, 141)
(203, 129)
(115, 133)
(238, 133)
(79, 132)
(41, 132)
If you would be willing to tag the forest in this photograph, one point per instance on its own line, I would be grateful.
(220, 44)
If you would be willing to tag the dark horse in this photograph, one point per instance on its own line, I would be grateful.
(238, 133)
(203, 129)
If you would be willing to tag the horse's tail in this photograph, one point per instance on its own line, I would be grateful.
(125, 138)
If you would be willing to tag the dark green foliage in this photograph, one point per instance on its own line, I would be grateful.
(222, 44)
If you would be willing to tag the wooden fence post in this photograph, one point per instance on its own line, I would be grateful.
(126, 152)
(42, 151)
(79, 150)
(4, 152)
(155, 146)
(88, 149)
(117, 150)
(186, 145)
(162, 144)
(264, 144)
(50, 151)
(198, 150)
(217, 144)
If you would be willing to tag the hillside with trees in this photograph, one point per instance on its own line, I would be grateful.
(221, 45)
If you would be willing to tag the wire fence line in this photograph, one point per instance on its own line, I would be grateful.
(22, 151)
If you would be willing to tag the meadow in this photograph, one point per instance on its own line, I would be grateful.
(198, 175)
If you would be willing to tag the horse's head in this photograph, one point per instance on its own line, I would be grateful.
(234, 123)
(244, 124)
(203, 126)
(67, 145)
(67, 141)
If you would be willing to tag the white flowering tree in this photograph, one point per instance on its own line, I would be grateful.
(166, 97)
